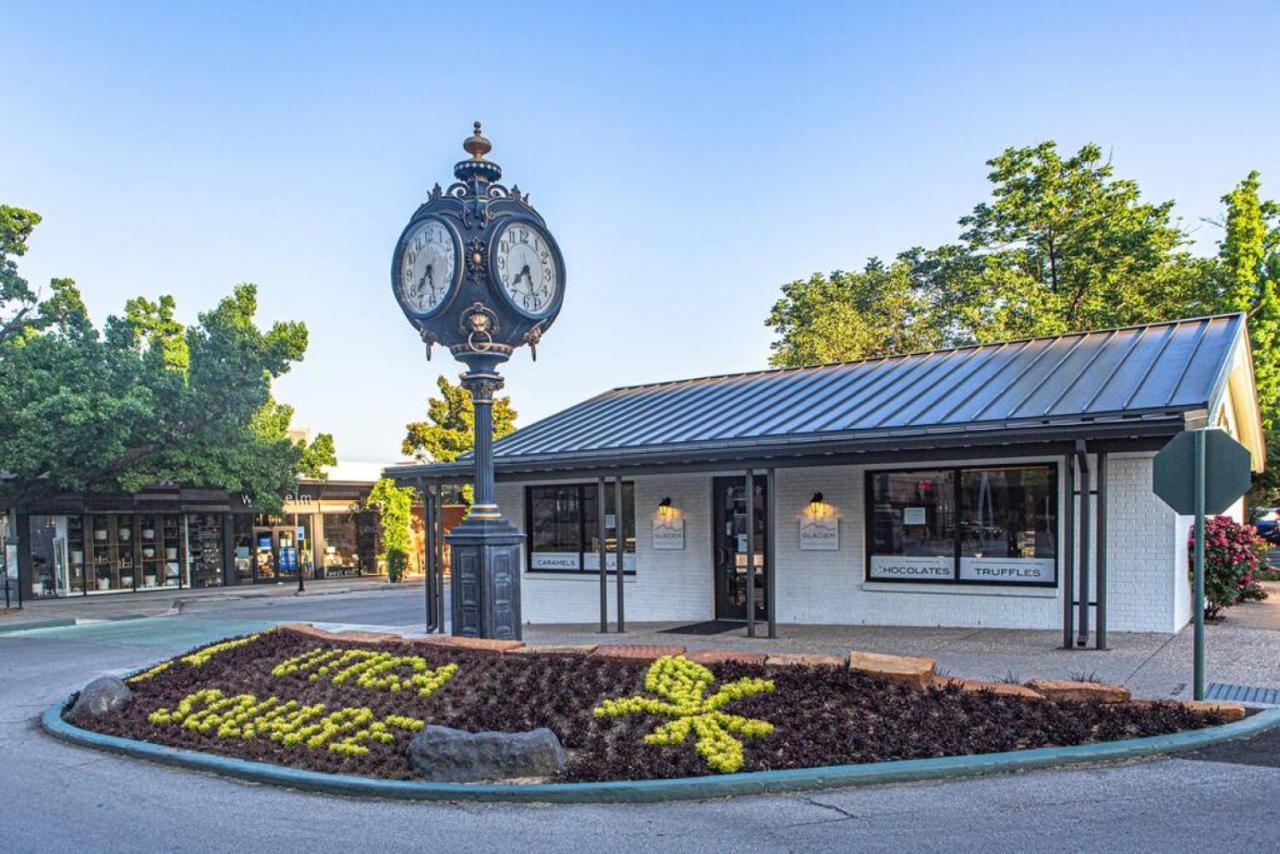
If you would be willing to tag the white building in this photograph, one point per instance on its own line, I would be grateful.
(934, 489)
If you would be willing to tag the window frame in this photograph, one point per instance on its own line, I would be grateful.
(957, 486)
(584, 536)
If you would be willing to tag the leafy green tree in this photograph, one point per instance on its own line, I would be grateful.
(144, 399)
(450, 429)
(858, 315)
(1061, 245)
(394, 505)
(1249, 271)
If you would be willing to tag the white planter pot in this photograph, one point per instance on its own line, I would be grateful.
(104, 583)
(125, 535)
(100, 534)
(148, 533)
(126, 581)
(77, 557)
(148, 551)
(171, 554)
(149, 581)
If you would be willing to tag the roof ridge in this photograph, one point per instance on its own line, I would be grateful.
(955, 349)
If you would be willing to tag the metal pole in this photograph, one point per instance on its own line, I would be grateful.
(1069, 555)
(1199, 568)
(620, 543)
(751, 554)
(603, 552)
(1100, 637)
(771, 553)
(439, 544)
(297, 554)
(428, 554)
(1086, 519)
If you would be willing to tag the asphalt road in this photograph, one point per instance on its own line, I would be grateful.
(54, 797)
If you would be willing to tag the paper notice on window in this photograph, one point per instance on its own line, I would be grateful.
(915, 516)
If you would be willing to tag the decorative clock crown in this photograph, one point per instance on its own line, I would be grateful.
(477, 168)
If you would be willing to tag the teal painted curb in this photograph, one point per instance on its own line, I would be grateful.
(39, 624)
(684, 788)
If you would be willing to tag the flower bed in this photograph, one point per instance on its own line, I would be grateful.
(292, 699)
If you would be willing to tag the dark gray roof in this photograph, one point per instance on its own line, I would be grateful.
(1154, 371)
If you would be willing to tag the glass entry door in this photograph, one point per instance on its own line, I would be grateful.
(729, 543)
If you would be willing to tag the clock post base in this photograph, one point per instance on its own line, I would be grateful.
(485, 584)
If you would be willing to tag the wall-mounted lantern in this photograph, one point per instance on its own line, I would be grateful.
(665, 509)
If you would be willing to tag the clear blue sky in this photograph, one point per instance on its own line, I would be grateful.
(689, 157)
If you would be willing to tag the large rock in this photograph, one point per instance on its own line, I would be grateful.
(1066, 689)
(445, 755)
(102, 696)
(1228, 711)
(975, 686)
(903, 670)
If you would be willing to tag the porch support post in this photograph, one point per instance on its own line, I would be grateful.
(621, 545)
(1069, 553)
(1086, 521)
(771, 553)
(1100, 638)
(428, 553)
(603, 553)
(751, 554)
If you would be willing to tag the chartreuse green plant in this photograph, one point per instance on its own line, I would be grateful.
(244, 716)
(378, 671)
(682, 686)
(147, 674)
(201, 656)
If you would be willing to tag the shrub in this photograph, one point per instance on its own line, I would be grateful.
(1232, 555)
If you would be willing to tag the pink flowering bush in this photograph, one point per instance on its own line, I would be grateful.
(1232, 556)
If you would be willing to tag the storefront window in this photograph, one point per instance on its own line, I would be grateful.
(563, 525)
(242, 545)
(975, 525)
(204, 549)
(48, 535)
(1008, 525)
(340, 554)
(913, 525)
(159, 546)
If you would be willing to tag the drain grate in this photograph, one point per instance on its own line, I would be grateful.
(1242, 694)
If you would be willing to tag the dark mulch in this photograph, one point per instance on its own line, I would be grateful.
(821, 716)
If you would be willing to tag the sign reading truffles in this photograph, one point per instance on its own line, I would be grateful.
(668, 533)
(820, 533)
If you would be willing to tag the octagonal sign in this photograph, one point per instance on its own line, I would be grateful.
(1226, 472)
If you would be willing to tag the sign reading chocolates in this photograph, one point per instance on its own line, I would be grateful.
(912, 568)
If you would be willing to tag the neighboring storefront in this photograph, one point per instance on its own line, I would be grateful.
(80, 545)
(999, 485)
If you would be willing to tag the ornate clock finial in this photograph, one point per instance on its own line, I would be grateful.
(477, 168)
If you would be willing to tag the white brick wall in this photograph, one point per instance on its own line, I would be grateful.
(1147, 588)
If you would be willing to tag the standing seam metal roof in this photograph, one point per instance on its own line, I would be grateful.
(1160, 368)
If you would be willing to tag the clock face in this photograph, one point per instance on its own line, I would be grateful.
(527, 268)
(427, 266)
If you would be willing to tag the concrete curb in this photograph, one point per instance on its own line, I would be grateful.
(39, 624)
(684, 788)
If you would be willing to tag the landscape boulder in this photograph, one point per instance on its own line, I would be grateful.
(903, 670)
(1228, 711)
(445, 755)
(102, 696)
(1066, 689)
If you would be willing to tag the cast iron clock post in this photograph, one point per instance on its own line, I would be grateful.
(477, 272)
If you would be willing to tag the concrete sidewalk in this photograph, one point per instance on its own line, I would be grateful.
(155, 603)
(1152, 665)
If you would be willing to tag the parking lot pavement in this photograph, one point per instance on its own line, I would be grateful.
(61, 798)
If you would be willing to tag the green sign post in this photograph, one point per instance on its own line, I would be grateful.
(1199, 472)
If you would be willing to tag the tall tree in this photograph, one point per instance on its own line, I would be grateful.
(450, 429)
(145, 399)
(1249, 270)
(857, 315)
